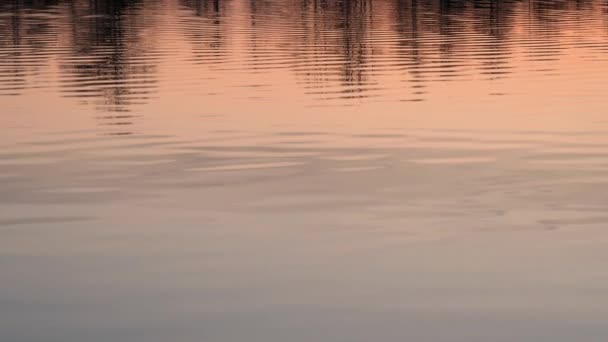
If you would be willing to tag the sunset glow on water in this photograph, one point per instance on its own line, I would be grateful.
(303, 170)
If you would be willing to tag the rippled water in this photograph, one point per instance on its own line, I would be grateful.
(303, 170)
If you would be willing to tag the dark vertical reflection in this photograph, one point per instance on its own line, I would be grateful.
(494, 19)
(408, 22)
(338, 34)
(108, 51)
(108, 62)
(353, 20)
(202, 26)
(26, 32)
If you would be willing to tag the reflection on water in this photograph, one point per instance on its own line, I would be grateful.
(108, 52)
(95, 44)
(303, 170)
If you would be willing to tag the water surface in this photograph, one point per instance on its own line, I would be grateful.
(303, 170)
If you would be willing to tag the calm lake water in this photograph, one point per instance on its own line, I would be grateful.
(303, 170)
